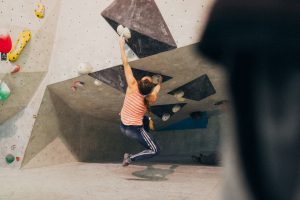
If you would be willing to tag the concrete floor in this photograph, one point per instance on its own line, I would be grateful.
(89, 181)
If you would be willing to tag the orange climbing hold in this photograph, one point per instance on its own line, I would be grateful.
(76, 84)
(16, 69)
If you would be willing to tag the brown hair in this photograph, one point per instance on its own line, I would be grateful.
(145, 88)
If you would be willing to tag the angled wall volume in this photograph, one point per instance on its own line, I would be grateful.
(197, 89)
(149, 32)
(115, 76)
(61, 135)
(23, 86)
(180, 145)
(55, 123)
(187, 124)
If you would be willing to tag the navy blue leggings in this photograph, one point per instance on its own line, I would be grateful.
(140, 134)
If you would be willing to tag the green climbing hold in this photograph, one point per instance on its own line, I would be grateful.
(4, 91)
(9, 158)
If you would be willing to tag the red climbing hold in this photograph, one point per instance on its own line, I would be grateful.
(5, 42)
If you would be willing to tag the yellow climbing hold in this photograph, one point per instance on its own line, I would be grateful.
(15, 52)
(40, 11)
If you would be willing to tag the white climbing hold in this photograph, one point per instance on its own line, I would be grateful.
(120, 29)
(157, 79)
(179, 94)
(176, 108)
(97, 82)
(84, 68)
(166, 116)
(124, 31)
(181, 99)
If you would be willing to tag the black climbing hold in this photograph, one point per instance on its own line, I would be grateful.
(115, 76)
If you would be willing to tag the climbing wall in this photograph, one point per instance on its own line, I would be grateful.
(16, 113)
(69, 34)
(96, 110)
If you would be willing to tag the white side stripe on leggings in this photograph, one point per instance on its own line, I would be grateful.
(150, 151)
(145, 152)
(150, 144)
(149, 139)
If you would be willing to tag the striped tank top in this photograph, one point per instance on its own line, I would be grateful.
(133, 109)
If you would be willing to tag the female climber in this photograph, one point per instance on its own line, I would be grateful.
(134, 124)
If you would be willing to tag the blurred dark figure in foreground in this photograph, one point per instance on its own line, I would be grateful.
(258, 42)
